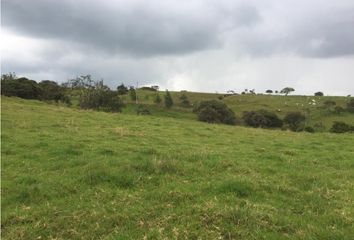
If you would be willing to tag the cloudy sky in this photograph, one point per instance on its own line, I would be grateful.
(199, 45)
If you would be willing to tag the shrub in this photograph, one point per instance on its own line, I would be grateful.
(157, 99)
(100, 97)
(168, 100)
(50, 90)
(184, 101)
(295, 121)
(20, 87)
(132, 93)
(350, 105)
(309, 129)
(121, 89)
(142, 110)
(262, 118)
(214, 111)
(341, 127)
(153, 88)
(319, 94)
(329, 103)
(338, 109)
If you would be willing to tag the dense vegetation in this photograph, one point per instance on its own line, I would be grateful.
(74, 174)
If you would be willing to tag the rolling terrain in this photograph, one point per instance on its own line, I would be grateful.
(74, 174)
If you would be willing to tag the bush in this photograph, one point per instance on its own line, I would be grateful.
(329, 103)
(50, 90)
(142, 110)
(338, 109)
(132, 93)
(350, 105)
(262, 118)
(121, 89)
(157, 99)
(184, 101)
(341, 127)
(309, 129)
(168, 100)
(214, 111)
(152, 88)
(100, 97)
(20, 87)
(295, 121)
(319, 94)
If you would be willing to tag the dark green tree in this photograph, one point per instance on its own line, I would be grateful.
(132, 93)
(350, 105)
(184, 101)
(214, 111)
(262, 118)
(122, 89)
(157, 99)
(168, 100)
(295, 121)
(287, 90)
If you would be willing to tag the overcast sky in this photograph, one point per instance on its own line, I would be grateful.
(194, 45)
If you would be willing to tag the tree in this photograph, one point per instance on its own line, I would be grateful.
(98, 96)
(287, 90)
(8, 76)
(350, 105)
(157, 99)
(269, 91)
(319, 94)
(214, 111)
(262, 118)
(121, 89)
(50, 90)
(19, 87)
(168, 100)
(295, 121)
(132, 93)
(155, 87)
(184, 101)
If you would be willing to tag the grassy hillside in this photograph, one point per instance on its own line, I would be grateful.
(71, 174)
(317, 116)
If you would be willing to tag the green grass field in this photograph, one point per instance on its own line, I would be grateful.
(72, 174)
(317, 116)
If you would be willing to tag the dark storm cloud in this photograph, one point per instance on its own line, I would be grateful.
(318, 30)
(206, 45)
(151, 28)
(137, 28)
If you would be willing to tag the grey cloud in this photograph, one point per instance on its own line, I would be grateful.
(316, 33)
(186, 44)
(139, 28)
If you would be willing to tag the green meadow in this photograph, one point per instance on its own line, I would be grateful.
(73, 174)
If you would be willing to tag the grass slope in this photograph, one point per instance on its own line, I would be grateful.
(70, 174)
(317, 116)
